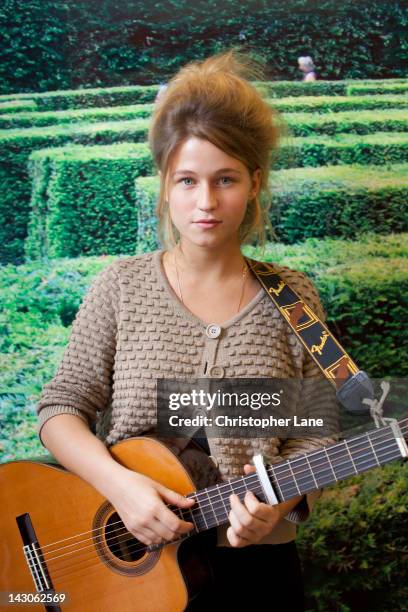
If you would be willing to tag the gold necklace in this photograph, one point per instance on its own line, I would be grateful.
(244, 275)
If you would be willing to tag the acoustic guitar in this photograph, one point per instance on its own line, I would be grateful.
(64, 547)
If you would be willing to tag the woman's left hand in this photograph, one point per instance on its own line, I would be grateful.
(252, 520)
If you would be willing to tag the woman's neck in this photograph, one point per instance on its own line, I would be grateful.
(212, 264)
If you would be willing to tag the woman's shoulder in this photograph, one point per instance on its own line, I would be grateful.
(301, 283)
(132, 263)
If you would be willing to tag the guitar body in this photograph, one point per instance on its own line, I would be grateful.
(85, 560)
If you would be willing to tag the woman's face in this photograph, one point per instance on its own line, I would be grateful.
(208, 192)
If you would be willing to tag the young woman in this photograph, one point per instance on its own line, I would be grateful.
(193, 309)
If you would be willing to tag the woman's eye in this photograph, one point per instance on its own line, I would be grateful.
(186, 178)
(225, 180)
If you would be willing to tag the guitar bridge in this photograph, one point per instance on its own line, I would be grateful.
(35, 560)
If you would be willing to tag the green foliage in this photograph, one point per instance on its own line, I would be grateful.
(353, 122)
(369, 90)
(336, 104)
(37, 306)
(52, 45)
(83, 197)
(382, 148)
(83, 201)
(316, 104)
(15, 148)
(146, 194)
(70, 99)
(314, 256)
(338, 201)
(87, 115)
(282, 89)
(17, 106)
(354, 544)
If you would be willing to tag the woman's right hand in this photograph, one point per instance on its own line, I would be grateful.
(140, 503)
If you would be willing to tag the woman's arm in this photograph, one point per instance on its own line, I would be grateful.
(139, 500)
(70, 402)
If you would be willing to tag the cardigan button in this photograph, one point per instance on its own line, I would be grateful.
(213, 330)
(216, 371)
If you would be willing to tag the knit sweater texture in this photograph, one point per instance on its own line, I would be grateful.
(132, 329)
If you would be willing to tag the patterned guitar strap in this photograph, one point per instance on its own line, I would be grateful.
(352, 385)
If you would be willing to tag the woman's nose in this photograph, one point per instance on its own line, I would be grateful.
(207, 199)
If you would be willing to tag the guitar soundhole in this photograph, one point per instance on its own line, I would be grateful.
(121, 542)
(119, 549)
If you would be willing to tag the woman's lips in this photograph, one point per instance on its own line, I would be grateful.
(207, 224)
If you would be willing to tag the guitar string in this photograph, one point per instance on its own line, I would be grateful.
(132, 537)
(248, 479)
(131, 549)
(217, 489)
(135, 547)
(281, 466)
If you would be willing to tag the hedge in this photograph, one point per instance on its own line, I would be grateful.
(73, 182)
(111, 43)
(357, 122)
(17, 106)
(333, 201)
(335, 104)
(88, 97)
(339, 201)
(320, 104)
(15, 148)
(354, 545)
(82, 201)
(369, 90)
(378, 148)
(90, 115)
(282, 89)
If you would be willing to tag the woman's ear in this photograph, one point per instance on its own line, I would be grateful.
(256, 181)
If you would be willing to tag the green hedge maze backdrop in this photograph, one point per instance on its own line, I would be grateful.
(78, 185)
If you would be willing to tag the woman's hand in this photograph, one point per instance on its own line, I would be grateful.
(140, 503)
(251, 521)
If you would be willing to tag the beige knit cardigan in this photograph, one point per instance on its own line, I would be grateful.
(131, 329)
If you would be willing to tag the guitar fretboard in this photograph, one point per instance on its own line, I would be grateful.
(297, 476)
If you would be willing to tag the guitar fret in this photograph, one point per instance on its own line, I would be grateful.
(351, 457)
(378, 444)
(375, 454)
(340, 461)
(328, 458)
(201, 511)
(190, 511)
(223, 503)
(276, 481)
(311, 471)
(211, 506)
(362, 453)
(294, 477)
(322, 472)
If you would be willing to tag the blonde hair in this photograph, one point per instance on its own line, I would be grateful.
(214, 100)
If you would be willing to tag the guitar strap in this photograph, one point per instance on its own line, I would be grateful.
(352, 385)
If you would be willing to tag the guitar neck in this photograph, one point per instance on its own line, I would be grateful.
(300, 475)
